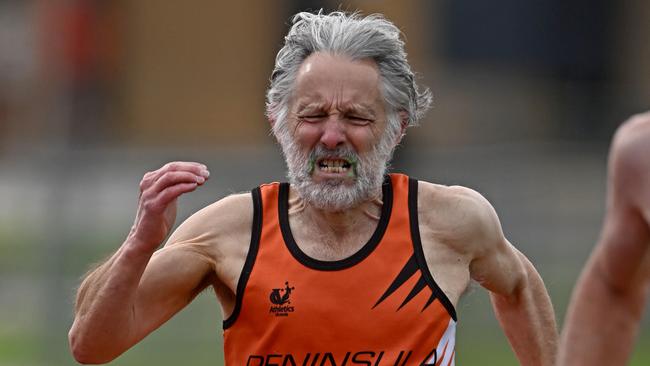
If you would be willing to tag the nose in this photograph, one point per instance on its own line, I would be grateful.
(333, 134)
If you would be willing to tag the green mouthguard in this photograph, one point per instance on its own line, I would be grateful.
(312, 165)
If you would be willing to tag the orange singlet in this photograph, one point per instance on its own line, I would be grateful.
(378, 307)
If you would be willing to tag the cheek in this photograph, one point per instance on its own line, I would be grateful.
(363, 138)
(307, 134)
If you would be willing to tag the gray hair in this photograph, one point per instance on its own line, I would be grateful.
(356, 37)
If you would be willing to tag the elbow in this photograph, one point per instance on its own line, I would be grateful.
(83, 350)
(85, 358)
(79, 352)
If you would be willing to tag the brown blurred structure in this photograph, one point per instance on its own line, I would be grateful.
(194, 74)
(197, 74)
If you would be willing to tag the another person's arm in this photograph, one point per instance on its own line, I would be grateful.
(138, 288)
(608, 301)
(518, 294)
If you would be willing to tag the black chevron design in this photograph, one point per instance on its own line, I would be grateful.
(431, 298)
(409, 269)
(414, 291)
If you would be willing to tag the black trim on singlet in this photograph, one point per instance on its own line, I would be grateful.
(361, 254)
(256, 233)
(419, 252)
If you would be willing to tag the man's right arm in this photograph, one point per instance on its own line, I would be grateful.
(136, 290)
(607, 304)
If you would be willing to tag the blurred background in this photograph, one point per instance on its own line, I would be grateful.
(95, 93)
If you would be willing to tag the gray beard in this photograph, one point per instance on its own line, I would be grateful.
(336, 195)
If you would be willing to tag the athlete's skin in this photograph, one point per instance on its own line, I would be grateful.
(139, 287)
(608, 301)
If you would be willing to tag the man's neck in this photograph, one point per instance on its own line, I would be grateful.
(341, 231)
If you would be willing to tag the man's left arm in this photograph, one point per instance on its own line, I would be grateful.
(519, 297)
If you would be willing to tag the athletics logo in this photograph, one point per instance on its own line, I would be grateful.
(280, 301)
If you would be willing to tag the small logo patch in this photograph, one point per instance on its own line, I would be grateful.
(280, 299)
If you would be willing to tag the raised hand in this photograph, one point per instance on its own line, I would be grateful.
(159, 191)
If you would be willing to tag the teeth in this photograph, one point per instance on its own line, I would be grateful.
(334, 165)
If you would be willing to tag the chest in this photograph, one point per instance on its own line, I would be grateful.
(369, 299)
(327, 245)
(300, 306)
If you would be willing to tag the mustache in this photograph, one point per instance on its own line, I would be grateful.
(345, 152)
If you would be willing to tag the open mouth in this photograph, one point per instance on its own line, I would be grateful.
(334, 165)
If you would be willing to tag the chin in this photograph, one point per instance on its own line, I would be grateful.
(335, 182)
(332, 206)
(333, 195)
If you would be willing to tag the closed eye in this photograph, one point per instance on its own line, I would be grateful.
(312, 117)
(359, 120)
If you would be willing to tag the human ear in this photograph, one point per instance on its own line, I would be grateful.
(404, 122)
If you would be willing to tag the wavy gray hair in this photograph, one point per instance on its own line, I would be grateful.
(356, 37)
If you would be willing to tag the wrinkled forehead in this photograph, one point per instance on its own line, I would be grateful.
(327, 78)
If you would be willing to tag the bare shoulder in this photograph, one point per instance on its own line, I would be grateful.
(631, 144)
(218, 228)
(460, 216)
(629, 161)
(638, 123)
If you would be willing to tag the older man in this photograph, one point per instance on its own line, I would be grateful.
(607, 305)
(342, 265)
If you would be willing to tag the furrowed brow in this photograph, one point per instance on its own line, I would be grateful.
(309, 107)
(363, 110)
